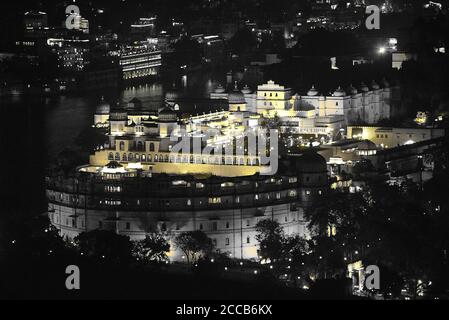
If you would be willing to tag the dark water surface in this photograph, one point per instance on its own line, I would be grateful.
(35, 129)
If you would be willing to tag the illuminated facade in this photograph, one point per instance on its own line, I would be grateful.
(140, 62)
(135, 185)
(388, 137)
(313, 113)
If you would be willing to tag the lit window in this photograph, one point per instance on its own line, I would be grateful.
(215, 200)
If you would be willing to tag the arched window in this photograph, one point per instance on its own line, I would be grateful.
(151, 146)
(117, 156)
(149, 158)
(111, 156)
(137, 157)
(139, 146)
(130, 157)
(166, 158)
(122, 146)
(125, 158)
(161, 158)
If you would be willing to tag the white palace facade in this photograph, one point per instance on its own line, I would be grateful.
(314, 113)
(135, 185)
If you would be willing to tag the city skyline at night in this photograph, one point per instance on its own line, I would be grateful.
(235, 150)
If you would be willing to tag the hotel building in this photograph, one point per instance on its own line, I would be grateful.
(135, 185)
(139, 61)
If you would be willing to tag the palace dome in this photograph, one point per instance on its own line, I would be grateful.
(364, 87)
(113, 165)
(339, 92)
(236, 97)
(246, 89)
(118, 114)
(167, 115)
(219, 89)
(352, 90)
(103, 107)
(312, 91)
(366, 145)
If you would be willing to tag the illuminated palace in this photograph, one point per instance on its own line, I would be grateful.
(135, 184)
(315, 113)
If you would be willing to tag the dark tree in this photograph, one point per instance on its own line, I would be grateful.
(194, 244)
(105, 245)
(271, 238)
(153, 248)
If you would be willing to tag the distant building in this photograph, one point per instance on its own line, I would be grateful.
(34, 20)
(315, 113)
(139, 61)
(388, 137)
(135, 184)
(398, 58)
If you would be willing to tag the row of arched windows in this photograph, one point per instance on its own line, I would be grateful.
(182, 159)
(139, 146)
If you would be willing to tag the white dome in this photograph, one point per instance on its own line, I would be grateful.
(312, 91)
(103, 107)
(364, 87)
(339, 92)
(352, 90)
(219, 89)
(246, 89)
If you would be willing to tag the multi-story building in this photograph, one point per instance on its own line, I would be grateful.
(313, 113)
(389, 137)
(139, 61)
(136, 184)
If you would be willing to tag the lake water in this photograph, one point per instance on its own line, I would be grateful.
(35, 129)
